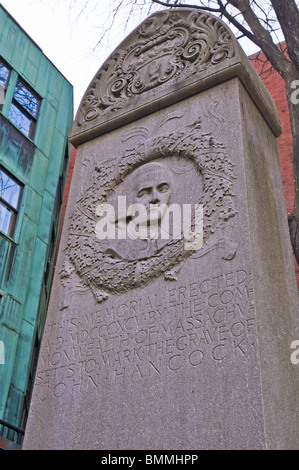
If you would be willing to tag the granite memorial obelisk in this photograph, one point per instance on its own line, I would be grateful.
(176, 334)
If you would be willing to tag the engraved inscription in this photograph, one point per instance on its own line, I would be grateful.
(189, 326)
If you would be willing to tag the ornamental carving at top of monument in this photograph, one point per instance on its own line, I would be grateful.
(168, 47)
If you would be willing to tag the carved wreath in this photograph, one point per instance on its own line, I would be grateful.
(89, 256)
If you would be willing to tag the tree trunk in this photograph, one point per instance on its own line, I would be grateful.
(288, 17)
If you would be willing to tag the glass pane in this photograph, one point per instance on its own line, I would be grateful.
(26, 99)
(5, 219)
(9, 190)
(4, 74)
(19, 119)
(10, 137)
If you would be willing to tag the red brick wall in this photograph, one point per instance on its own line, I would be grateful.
(276, 87)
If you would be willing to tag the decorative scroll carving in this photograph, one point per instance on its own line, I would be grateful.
(167, 47)
(102, 269)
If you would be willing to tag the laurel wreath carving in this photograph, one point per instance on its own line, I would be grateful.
(91, 259)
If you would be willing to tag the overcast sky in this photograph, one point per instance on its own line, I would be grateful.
(68, 38)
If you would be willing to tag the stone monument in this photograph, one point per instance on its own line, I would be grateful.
(177, 339)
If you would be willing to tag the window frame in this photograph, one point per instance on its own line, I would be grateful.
(33, 119)
(9, 68)
(14, 210)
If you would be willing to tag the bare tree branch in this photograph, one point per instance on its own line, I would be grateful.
(262, 36)
(186, 5)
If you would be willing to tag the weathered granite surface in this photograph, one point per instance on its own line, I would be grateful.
(149, 345)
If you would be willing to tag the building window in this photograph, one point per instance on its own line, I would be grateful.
(24, 109)
(10, 197)
(4, 77)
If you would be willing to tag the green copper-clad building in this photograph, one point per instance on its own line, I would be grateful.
(36, 113)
